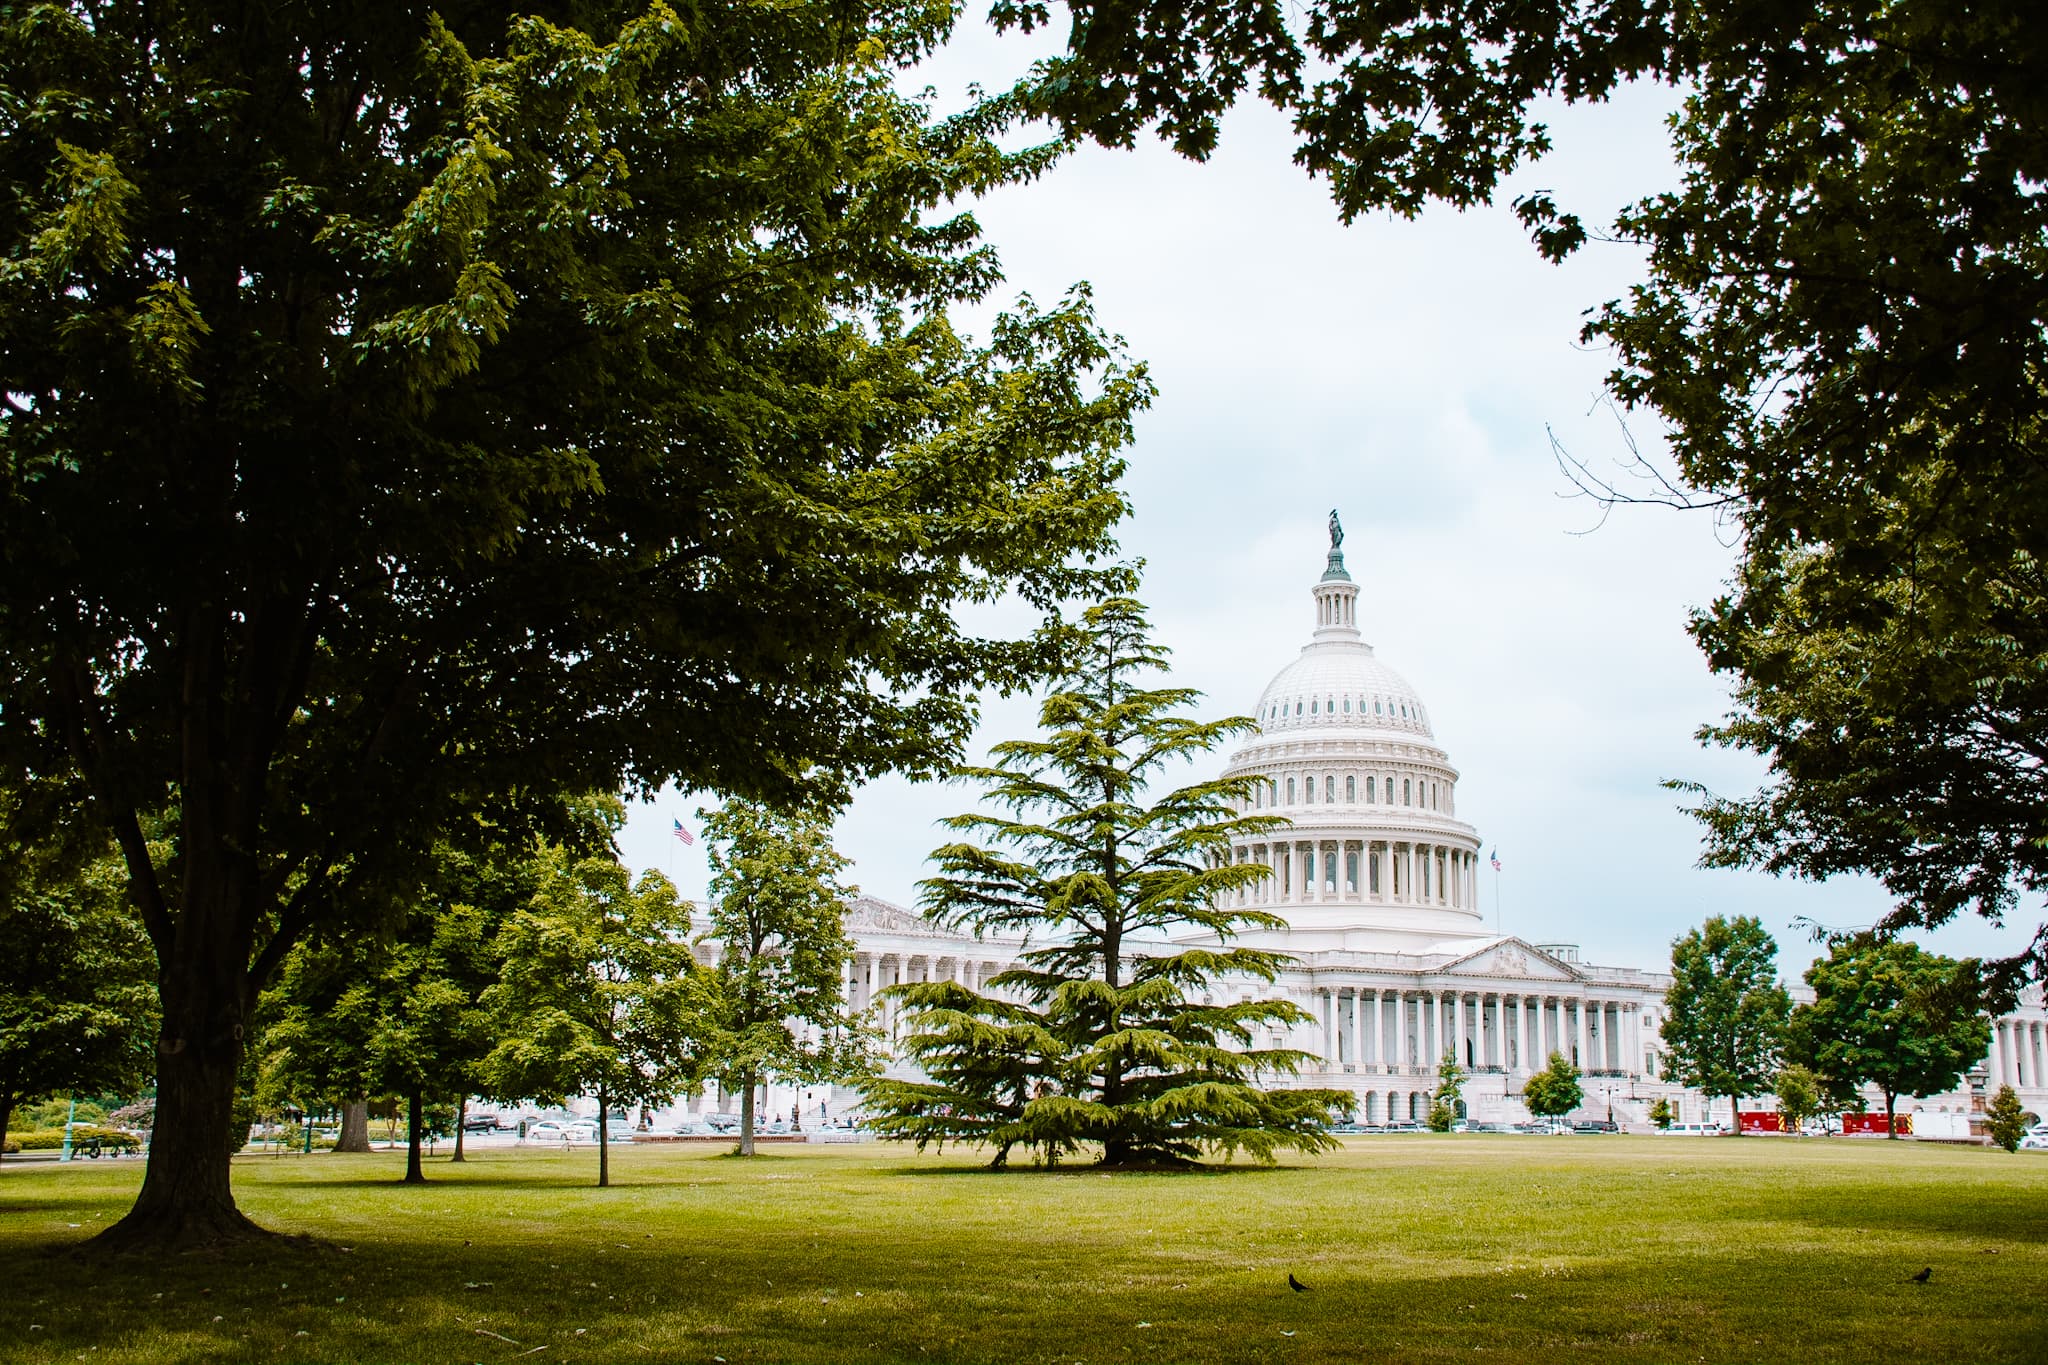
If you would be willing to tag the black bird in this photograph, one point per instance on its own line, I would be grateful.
(1923, 1276)
(1296, 1285)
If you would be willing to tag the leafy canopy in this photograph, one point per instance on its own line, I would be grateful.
(599, 994)
(1892, 1015)
(1724, 1010)
(408, 412)
(775, 1003)
(1108, 1030)
(1555, 1090)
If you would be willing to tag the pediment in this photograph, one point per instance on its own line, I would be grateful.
(1513, 959)
(882, 917)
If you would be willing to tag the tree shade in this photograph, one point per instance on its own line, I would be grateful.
(406, 412)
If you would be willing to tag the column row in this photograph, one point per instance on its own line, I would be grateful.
(1409, 1031)
(2019, 1053)
(1308, 871)
(867, 975)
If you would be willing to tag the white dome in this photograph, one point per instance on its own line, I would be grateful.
(1338, 685)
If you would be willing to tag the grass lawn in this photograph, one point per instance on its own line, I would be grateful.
(1414, 1249)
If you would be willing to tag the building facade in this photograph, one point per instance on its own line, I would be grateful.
(1377, 882)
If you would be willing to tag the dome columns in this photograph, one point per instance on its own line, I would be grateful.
(1346, 871)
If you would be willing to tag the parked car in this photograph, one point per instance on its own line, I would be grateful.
(723, 1123)
(1403, 1126)
(2036, 1141)
(556, 1130)
(481, 1123)
(1596, 1126)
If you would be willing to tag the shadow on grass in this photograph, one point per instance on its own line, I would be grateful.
(917, 1293)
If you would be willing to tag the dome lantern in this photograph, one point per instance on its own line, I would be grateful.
(1336, 595)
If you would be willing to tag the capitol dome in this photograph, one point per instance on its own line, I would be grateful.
(1374, 854)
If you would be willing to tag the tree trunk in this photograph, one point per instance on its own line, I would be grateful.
(186, 1201)
(604, 1139)
(6, 1113)
(747, 1115)
(414, 1175)
(1891, 1124)
(1735, 1113)
(355, 1126)
(461, 1115)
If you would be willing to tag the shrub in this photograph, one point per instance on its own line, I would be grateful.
(2005, 1120)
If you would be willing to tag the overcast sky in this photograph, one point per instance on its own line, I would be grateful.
(1407, 374)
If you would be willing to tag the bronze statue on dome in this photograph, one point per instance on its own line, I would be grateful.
(1336, 531)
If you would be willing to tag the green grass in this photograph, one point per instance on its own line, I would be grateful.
(1422, 1249)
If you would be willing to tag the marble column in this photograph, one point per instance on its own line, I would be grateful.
(1378, 1053)
(1358, 1027)
(1401, 1030)
(1585, 1034)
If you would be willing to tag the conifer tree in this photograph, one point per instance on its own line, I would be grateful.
(2004, 1120)
(1101, 1035)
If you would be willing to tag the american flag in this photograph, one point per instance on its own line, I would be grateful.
(689, 838)
(1495, 859)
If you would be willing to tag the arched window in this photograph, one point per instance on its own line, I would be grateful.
(1329, 706)
(1376, 706)
(1433, 797)
(1407, 792)
(1372, 791)
(1290, 791)
(1350, 871)
(1350, 790)
(1312, 706)
(1330, 791)
(1308, 792)
(1297, 708)
(1347, 706)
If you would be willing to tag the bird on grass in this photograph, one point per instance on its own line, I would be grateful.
(1296, 1285)
(1923, 1276)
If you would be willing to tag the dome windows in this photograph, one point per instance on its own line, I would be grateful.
(1347, 706)
(1351, 791)
(1407, 792)
(1290, 791)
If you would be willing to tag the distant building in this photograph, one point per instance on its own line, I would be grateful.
(1378, 882)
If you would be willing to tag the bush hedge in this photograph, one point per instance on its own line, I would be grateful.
(52, 1139)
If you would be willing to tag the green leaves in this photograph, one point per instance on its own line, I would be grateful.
(1108, 1032)
(1724, 1010)
(1891, 1015)
(774, 1003)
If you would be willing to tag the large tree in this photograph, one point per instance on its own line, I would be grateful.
(1842, 329)
(1129, 895)
(1892, 1015)
(1724, 1012)
(775, 1001)
(405, 409)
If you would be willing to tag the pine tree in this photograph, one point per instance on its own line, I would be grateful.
(1101, 1035)
(2005, 1120)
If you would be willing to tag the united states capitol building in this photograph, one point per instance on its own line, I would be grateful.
(1378, 883)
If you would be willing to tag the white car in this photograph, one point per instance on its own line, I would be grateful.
(554, 1130)
(2036, 1141)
